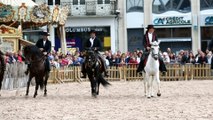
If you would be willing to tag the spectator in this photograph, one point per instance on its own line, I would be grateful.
(191, 58)
(166, 58)
(202, 59)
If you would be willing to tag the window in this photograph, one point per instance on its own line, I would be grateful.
(57, 2)
(161, 6)
(173, 32)
(82, 2)
(206, 4)
(75, 2)
(107, 1)
(50, 2)
(134, 5)
(100, 1)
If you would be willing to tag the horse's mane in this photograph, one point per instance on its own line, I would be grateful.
(32, 50)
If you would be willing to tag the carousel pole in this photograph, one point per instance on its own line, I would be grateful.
(63, 40)
(52, 35)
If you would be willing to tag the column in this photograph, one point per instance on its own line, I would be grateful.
(196, 39)
(147, 13)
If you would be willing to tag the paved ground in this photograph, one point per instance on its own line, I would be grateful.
(180, 100)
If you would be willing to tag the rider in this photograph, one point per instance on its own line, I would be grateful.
(94, 42)
(45, 46)
(150, 36)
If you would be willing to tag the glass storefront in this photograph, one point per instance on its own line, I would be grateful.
(77, 36)
(135, 39)
(174, 38)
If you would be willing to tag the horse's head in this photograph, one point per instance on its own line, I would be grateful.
(91, 58)
(155, 49)
(31, 52)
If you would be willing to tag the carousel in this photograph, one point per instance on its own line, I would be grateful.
(18, 15)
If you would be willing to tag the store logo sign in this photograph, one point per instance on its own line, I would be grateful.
(209, 20)
(172, 21)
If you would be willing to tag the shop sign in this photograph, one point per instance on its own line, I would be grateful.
(172, 20)
(82, 29)
(209, 20)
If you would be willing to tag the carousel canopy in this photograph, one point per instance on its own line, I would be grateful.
(18, 2)
(29, 14)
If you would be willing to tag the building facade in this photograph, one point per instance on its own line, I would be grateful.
(180, 24)
(121, 24)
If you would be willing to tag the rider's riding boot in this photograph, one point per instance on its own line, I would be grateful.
(83, 70)
(141, 66)
(162, 67)
(48, 65)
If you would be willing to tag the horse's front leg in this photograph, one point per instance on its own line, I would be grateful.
(45, 84)
(158, 84)
(93, 85)
(145, 84)
(149, 87)
(36, 87)
(28, 84)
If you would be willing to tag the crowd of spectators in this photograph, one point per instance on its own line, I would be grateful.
(58, 60)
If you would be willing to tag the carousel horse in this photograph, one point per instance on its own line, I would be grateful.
(37, 68)
(152, 70)
(94, 70)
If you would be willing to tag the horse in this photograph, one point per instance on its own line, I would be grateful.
(37, 68)
(152, 70)
(2, 69)
(94, 70)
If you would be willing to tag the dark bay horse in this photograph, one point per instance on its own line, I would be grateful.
(2, 69)
(94, 70)
(36, 69)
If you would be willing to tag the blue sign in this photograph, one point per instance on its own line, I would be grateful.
(171, 21)
(209, 20)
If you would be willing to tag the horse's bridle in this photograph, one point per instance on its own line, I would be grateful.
(155, 56)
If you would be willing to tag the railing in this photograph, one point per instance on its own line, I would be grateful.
(89, 8)
(128, 72)
(15, 78)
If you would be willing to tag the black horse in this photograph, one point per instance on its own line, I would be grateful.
(2, 69)
(37, 68)
(94, 70)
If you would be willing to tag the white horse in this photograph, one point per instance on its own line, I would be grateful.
(152, 70)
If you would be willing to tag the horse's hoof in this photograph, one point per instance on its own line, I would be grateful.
(45, 95)
(148, 97)
(152, 96)
(158, 94)
(94, 95)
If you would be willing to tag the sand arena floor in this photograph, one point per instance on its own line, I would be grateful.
(180, 100)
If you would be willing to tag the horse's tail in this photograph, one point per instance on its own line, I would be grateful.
(103, 81)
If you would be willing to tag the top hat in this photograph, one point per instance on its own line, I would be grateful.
(150, 27)
(92, 31)
(45, 34)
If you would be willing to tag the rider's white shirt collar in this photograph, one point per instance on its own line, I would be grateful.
(150, 37)
(91, 41)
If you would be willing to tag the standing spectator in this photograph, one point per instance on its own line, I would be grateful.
(191, 58)
(209, 57)
(166, 58)
(202, 59)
